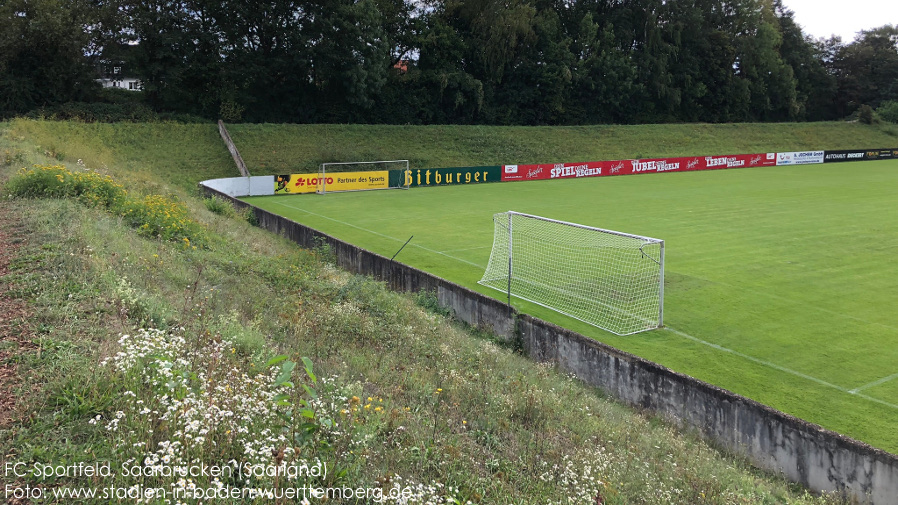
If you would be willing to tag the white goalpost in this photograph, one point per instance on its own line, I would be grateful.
(362, 176)
(605, 278)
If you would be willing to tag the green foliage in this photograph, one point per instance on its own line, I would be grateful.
(220, 206)
(397, 61)
(42, 53)
(428, 301)
(153, 215)
(249, 215)
(96, 112)
(866, 69)
(12, 156)
(888, 111)
(866, 115)
(160, 217)
(58, 181)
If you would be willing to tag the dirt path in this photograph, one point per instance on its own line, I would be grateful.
(14, 337)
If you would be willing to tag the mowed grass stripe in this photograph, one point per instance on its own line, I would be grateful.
(787, 265)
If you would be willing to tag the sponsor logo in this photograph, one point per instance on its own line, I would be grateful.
(800, 158)
(574, 171)
(653, 166)
(725, 161)
(894, 153)
(534, 172)
(511, 169)
(438, 176)
(842, 156)
(616, 168)
(873, 154)
(692, 164)
(771, 156)
(755, 161)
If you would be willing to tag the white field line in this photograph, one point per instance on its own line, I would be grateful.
(380, 234)
(468, 249)
(855, 392)
(793, 302)
(759, 361)
(875, 383)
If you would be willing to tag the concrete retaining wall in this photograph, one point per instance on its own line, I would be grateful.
(259, 185)
(819, 459)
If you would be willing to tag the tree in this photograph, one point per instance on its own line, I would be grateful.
(43, 47)
(867, 69)
(816, 88)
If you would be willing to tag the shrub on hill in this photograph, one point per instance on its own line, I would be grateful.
(152, 215)
(888, 111)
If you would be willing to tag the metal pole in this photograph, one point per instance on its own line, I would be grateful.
(323, 180)
(661, 302)
(509, 258)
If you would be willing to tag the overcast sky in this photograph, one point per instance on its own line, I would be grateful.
(822, 18)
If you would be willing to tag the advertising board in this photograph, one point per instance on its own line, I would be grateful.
(843, 156)
(627, 167)
(336, 181)
(800, 158)
(450, 176)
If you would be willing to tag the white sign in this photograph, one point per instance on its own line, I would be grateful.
(800, 158)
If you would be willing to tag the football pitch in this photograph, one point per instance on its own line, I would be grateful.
(781, 282)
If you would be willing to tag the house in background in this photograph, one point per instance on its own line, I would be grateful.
(116, 77)
(113, 69)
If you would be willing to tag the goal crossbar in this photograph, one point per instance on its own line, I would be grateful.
(609, 279)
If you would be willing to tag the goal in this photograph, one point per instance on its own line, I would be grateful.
(605, 278)
(362, 176)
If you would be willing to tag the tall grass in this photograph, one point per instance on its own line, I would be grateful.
(184, 154)
(152, 215)
(259, 353)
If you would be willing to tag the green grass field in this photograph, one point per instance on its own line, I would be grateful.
(780, 281)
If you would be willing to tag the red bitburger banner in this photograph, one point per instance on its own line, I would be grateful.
(627, 167)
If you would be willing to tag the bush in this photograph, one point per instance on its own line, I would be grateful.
(96, 112)
(888, 111)
(220, 206)
(865, 115)
(153, 215)
(157, 216)
(57, 181)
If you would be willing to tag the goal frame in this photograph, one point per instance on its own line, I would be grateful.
(511, 266)
(321, 183)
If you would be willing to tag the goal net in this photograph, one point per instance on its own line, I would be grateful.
(609, 279)
(362, 176)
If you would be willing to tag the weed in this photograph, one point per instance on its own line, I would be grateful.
(249, 215)
(428, 301)
(153, 215)
(220, 206)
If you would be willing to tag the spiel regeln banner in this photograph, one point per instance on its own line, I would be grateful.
(627, 167)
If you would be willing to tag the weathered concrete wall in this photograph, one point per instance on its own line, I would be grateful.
(805, 453)
(469, 306)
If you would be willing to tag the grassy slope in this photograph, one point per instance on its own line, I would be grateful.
(277, 149)
(187, 154)
(807, 286)
(478, 417)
